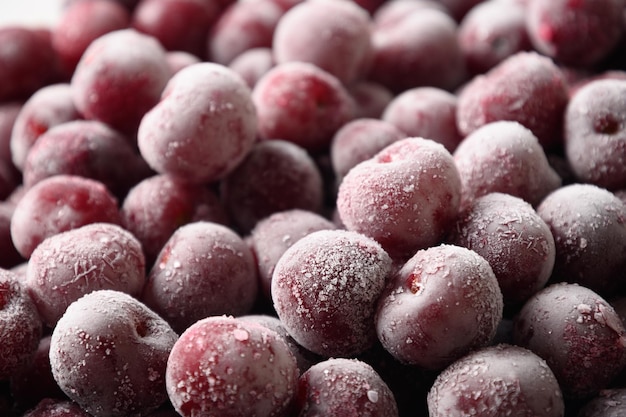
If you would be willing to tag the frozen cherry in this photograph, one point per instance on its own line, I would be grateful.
(57, 204)
(442, 303)
(68, 265)
(203, 127)
(276, 175)
(491, 32)
(578, 333)
(301, 103)
(325, 288)
(156, 206)
(84, 148)
(513, 238)
(27, 62)
(589, 228)
(109, 354)
(405, 197)
(526, 87)
(359, 140)
(204, 269)
(119, 78)
(504, 157)
(425, 112)
(241, 26)
(595, 139)
(578, 33)
(48, 107)
(232, 368)
(345, 48)
(179, 25)
(495, 381)
(20, 326)
(420, 49)
(273, 235)
(82, 22)
(346, 387)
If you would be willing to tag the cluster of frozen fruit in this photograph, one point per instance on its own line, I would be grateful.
(314, 208)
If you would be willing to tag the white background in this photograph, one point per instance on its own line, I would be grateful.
(33, 13)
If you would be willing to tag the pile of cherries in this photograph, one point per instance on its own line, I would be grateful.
(355, 208)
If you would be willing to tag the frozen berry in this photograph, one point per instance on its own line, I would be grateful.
(325, 288)
(68, 265)
(204, 269)
(27, 62)
(345, 48)
(502, 380)
(119, 78)
(276, 175)
(513, 238)
(109, 354)
(420, 49)
(527, 88)
(578, 33)
(504, 157)
(301, 103)
(589, 228)
(203, 127)
(595, 139)
(57, 204)
(48, 107)
(579, 335)
(491, 32)
(346, 387)
(241, 26)
(441, 304)
(359, 140)
(405, 197)
(179, 25)
(232, 368)
(84, 148)
(82, 22)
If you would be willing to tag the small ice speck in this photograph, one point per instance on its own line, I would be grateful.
(372, 396)
(241, 335)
